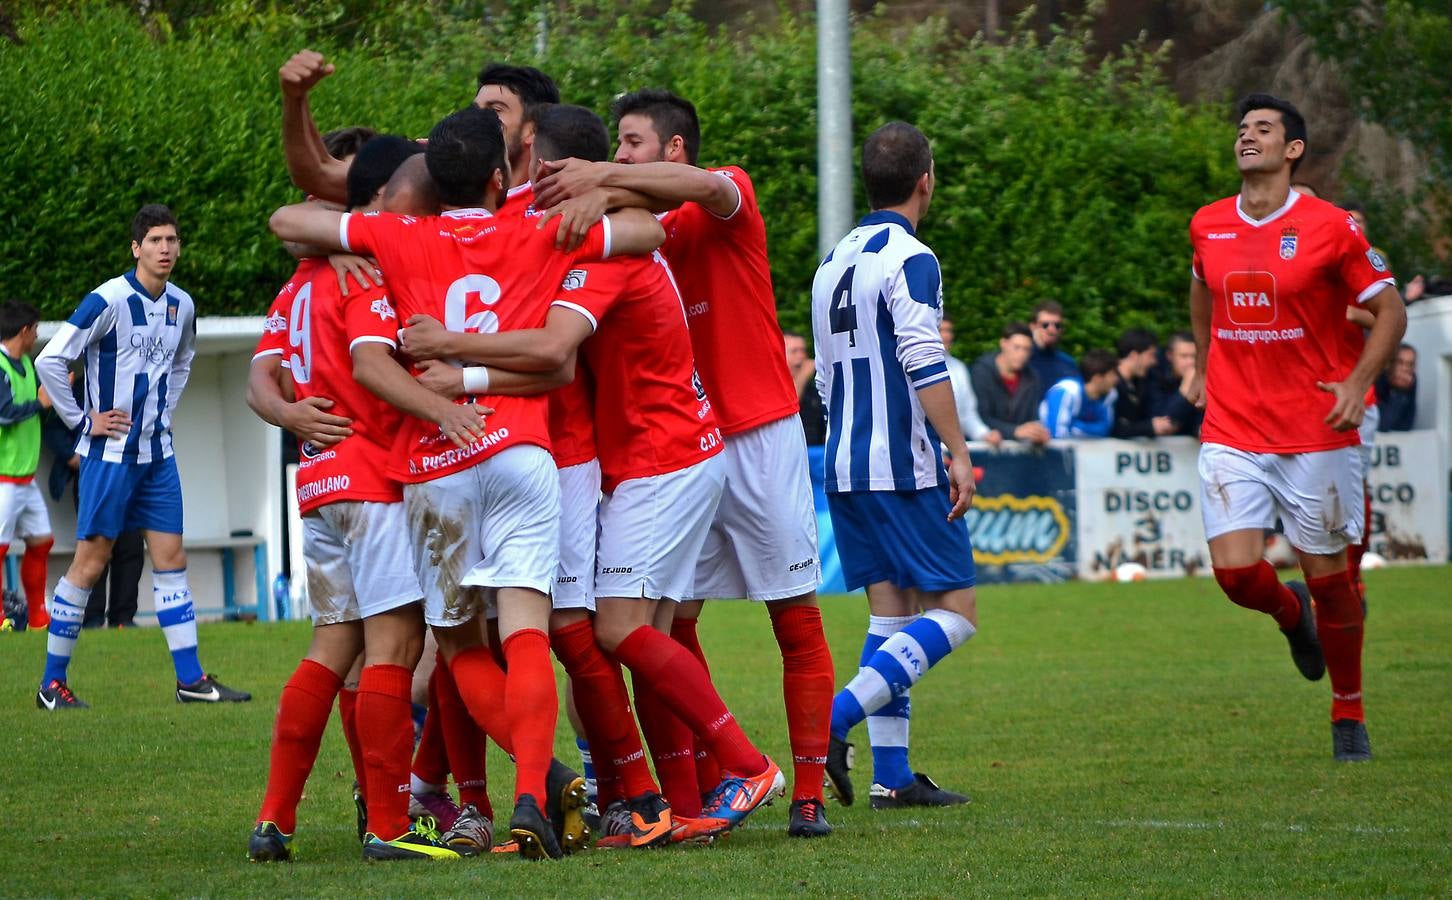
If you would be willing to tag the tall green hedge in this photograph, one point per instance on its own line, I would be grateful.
(1061, 173)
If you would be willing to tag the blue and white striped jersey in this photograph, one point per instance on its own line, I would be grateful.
(138, 353)
(877, 300)
(1067, 411)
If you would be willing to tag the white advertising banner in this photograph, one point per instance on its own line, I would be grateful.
(1139, 501)
(1408, 497)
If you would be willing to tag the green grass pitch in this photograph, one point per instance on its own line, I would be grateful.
(1117, 740)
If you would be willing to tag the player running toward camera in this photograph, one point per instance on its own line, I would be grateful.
(877, 300)
(362, 588)
(763, 542)
(137, 333)
(482, 501)
(1283, 394)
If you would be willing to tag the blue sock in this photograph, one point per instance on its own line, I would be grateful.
(587, 763)
(178, 622)
(887, 729)
(897, 665)
(67, 609)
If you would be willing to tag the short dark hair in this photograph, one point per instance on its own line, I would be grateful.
(374, 164)
(1015, 328)
(1053, 307)
(1135, 340)
(562, 131)
(1353, 208)
(1181, 337)
(894, 157)
(1291, 118)
(346, 142)
(148, 217)
(532, 86)
(669, 115)
(15, 317)
(463, 153)
(1097, 362)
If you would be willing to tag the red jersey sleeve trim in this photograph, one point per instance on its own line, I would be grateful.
(605, 226)
(343, 232)
(372, 339)
(1375, 288)
(740, 200)
(273, 351)
(594, 324)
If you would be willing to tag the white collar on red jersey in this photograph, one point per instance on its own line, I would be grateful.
(473, 212)
(1256, 223)
(519, 189)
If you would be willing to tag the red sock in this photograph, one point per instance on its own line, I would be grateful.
(533, 705)
(32, 577)
(386, 730)
(671, 749)
(807, 679)
(708, 771)
(481, 684)
(604, 708)
(1339, 626)
(681, 683)
(1257, 587)
(430, 761)
(348, 714)
(462, 739)
(302, 716)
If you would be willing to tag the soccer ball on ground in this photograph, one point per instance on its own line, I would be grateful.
(1371, 560)
(1130, 571)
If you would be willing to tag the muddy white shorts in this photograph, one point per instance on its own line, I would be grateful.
(1318, 496)
(494, 525)
(652, 530)
(763, 543)
(22, 511)
(358, 561)
(579, 521)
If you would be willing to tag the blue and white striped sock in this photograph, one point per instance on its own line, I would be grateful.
(67, 610)
(178, 622)
(587, 765)
(887, 729)
(897, 665)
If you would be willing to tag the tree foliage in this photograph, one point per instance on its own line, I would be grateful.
(1062, 171)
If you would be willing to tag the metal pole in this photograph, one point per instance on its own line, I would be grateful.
(834, 123)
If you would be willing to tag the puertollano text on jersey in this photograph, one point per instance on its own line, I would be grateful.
(452, 456)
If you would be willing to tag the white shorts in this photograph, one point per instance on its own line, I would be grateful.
(22, 511)
(579, 521)
(763, 543)
(494, 525)
(1369, 422)
(652, 530)
(1318, 496)
(358, 561)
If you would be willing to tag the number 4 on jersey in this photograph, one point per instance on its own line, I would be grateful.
(842, 316)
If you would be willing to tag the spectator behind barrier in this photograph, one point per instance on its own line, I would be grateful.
(1048, 362)
(1007, 390)
(971, 424)
(1083, 406)
(804, 373)
(1167, 380)
(1134, 414)
(1396, 391)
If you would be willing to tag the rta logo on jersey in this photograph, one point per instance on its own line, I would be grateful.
(574, 280)
(1250, 297)
(382, 309)
(1288, 243)
(274, 324)
(153, 349)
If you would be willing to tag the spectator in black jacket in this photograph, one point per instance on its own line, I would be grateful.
(804, 370)
(1167, 381)
(1396, 392)
(1008, 391)
(1134, 414)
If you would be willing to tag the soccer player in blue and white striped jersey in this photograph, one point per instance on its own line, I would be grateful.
(877, 300)
(137, 333)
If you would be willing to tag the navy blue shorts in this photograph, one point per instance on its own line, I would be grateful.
(903, 537)
(117, 497)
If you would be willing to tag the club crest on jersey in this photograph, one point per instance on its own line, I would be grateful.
(171, 310)
(574, 280)
(274, 324)
(1288, 243)
(382, 309)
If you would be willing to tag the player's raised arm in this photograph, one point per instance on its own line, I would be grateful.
(660, 185)
(631, 232)
(312, 168)
(309, 223)
(530, 350)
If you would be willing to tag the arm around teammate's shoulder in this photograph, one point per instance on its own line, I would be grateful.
(632, 232)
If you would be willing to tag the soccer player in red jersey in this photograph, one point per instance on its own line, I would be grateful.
(763, 544)
(482, 499)
(659, 452)
(1283, 394)
(361, 583)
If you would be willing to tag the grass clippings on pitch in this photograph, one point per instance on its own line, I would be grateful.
(1148, 738)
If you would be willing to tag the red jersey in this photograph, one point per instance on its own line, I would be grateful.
(519, 200)
(572, 419)
(473, 272)
(1279, 289)
(313, 327)
(721, 268)
(651, 412)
